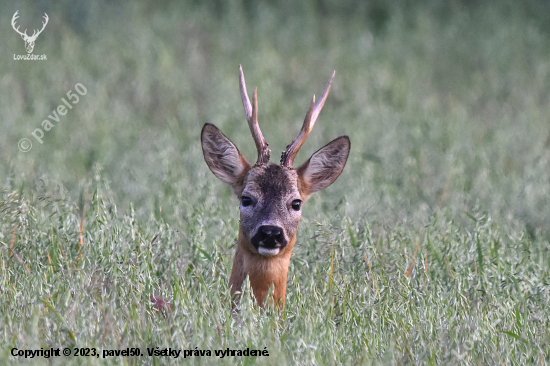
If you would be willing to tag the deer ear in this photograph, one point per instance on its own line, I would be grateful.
(223, 158)
(323, 167)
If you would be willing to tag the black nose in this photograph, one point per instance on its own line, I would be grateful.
(269, 236)
(271, 231)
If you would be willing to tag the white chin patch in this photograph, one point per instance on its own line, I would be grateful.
(268, 252)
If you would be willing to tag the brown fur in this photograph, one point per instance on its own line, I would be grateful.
(261, 271)
(272, 190)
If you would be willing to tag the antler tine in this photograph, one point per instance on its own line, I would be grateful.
(37, 32)
(287, 157)
(244, 94)
(13, 20)
(251, 111)
(44, 22)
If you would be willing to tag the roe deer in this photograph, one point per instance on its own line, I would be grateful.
(271, 195)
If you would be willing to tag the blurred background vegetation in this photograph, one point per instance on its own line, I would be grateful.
(447, 105)
(446, 102)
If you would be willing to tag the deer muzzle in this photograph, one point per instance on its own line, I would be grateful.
(269, 240)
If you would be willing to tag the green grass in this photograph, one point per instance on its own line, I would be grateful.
(446, 104)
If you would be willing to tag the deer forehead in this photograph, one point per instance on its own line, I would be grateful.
(272, 182)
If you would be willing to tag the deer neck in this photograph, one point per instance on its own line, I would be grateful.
(262, 271)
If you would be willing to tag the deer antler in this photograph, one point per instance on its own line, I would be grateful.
(287, 157)
(251, 112)
(34, 34)
(15, 16)
(24, 34)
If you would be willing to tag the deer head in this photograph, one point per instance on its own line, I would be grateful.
(271, 195)
(29, 41)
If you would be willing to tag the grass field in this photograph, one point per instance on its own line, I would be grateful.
(432, 248)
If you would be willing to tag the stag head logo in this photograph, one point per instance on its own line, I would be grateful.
(29, 41)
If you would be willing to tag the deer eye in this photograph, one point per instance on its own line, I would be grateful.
(246, 201)
(296, 205)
